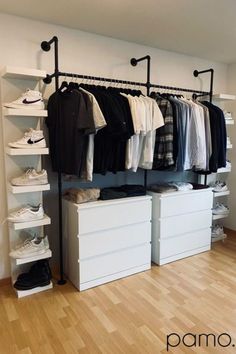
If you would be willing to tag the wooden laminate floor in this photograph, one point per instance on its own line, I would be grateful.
(131, 315)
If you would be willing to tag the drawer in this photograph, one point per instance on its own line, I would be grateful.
(104, 216)
(181, 224)
(181, 204)
(180, 244)
(98, 267)
(106, 241)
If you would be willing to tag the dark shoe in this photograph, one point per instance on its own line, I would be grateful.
(35, 268)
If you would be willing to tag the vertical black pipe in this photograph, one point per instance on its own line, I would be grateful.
(61, 281)
(148, 84)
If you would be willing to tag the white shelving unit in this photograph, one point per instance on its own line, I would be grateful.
(221, 100)
(14, 123)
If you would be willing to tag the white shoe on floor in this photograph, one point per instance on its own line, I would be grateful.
(29, 213)
(31, 178)
(31, 139)
(29, 100)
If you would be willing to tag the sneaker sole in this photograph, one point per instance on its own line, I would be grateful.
(28, 106)
(32, 286)
(29, 255)
(30, 146)
(36, 183)
(25, 220)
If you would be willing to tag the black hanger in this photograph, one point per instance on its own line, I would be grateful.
(64, 86)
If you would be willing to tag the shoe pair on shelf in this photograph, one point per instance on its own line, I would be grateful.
(29, 100)
(31, 139)
(31, 177)
(219, 186)
(220, 209)
(28, 213)
(32, 246)
(38, 275)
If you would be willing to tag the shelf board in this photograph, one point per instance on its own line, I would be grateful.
(221, 194)
(17, 72)
(221, 216)
(223, 170)
(219, 238)
(17, 112)
(229, 146)
(28, 189)
(23, 293)
(47, 254)
(26, 225)
(229, 121)
(18, 152)
(223, 97)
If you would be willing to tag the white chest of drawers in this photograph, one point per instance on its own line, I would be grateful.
(106, 240)
(181, 224)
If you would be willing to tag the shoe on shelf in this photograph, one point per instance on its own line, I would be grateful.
(38, 275)
(28, 100)
(31, 178)
(33, 247)
(31, 139)
(227, 115)
(220, 209)
(219, 186)
(217, 230)
(28, 213)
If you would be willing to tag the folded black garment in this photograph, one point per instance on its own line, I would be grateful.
(133, 190)
(199, 186)
(125, 191)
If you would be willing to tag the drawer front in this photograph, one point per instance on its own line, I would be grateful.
(106, 241)
(104, 217)
(112, 263)
(176, 245)
(182, 204)
(181, 224)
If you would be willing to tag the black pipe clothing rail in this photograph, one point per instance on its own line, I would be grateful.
(46, 46)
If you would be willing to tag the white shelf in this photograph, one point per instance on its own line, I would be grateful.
(217, 217)
(221, 194)
(223, 97)
(45, 255)
(219, 238)
(229, 146)
(24, 112)
(23, 293)
(17, 72)
(229, 121)
(223, 170)
(28, 189)
(26, 225)
(18, 152)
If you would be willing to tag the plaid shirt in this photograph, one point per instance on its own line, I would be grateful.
(163, 152)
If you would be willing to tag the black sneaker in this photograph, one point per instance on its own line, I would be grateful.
(43, 263)
(39, 275)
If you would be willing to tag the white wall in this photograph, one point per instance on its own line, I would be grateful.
(95, 55)
(231, 131)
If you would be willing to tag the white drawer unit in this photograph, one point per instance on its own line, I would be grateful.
(181, 224)
(106, 240)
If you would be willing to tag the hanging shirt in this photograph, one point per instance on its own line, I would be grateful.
(69, 122)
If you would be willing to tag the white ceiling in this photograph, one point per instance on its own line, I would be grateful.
(202, 28)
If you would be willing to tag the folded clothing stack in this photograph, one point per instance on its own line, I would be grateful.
(125, 191)
(170, 187)
(79, 195)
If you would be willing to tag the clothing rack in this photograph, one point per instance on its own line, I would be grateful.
(46, 46)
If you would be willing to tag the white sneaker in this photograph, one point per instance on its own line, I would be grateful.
(227, 115)
(29, 100)
(220, 209)
(31, 178)
(33, 247)
(219, 186)
(217, 230)
(31, 139)
(28, 213)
